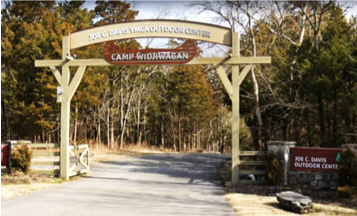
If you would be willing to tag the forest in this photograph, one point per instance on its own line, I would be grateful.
(308, 93)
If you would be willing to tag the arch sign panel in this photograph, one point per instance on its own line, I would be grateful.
(151, 28)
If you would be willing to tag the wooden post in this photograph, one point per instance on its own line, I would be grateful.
(69, 88)
(65, 113)
(235, 111)
(9, 157)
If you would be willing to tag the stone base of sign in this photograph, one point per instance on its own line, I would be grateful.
(295, 202)
(282, 149)
(313, 180)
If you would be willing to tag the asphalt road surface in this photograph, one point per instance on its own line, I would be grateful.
(161, 184)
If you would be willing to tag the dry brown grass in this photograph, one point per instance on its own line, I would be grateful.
(18, 183)
(18, 177)
(101, 155)
(248, 204)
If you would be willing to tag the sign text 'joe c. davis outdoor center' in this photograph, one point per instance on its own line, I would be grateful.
(147, 29)
(315, 159)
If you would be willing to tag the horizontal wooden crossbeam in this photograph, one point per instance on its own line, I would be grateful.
(254, 172)
(195, 61)
(45, 153)
(47, 172)
(252, 153)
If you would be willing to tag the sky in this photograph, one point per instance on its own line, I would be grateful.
(180, 10)
(151, 9)
(172, 10)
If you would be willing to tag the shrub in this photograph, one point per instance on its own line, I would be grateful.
(347, 168)
(347, 192)
(21, 158)
(273, 174)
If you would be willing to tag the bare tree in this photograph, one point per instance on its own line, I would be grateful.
(283, 19)
(240, 15)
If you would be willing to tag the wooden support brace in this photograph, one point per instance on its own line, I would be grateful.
(86, 151)
(57, 74)
(73, 165)
(227, 84)
(75, 81)
(244, 73)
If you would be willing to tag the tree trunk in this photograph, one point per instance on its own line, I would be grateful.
(144, 128)
(125, 120)
(85, 129)
(121, 102)
(162, 135)
(255, 137)
(108, 128)
(316, 40)
(137, 134)
(257, 107)
(194, 142)
(334, 127)
(111, 127)
(308, 127)
(255, 82)
(353, 125)
(321, 119)
(179, 128)
(99, 132)
(4, 120)
(222, 139)
(302, 24)
(284, 129)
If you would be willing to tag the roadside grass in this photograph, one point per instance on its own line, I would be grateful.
(103, 154)
(251, 204)
(18, 177)
(17, 183)
(324, 209)
(254, 199)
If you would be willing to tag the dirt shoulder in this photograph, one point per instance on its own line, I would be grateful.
(254, 200)
(18, 184)
(251, 204)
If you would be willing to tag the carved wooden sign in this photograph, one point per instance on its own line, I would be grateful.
(180, 55)
(315, 159)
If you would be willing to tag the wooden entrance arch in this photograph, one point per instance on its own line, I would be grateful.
(144, 29)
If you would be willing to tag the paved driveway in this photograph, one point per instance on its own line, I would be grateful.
(162, 184)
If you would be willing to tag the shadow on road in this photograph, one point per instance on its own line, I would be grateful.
(198, 168)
